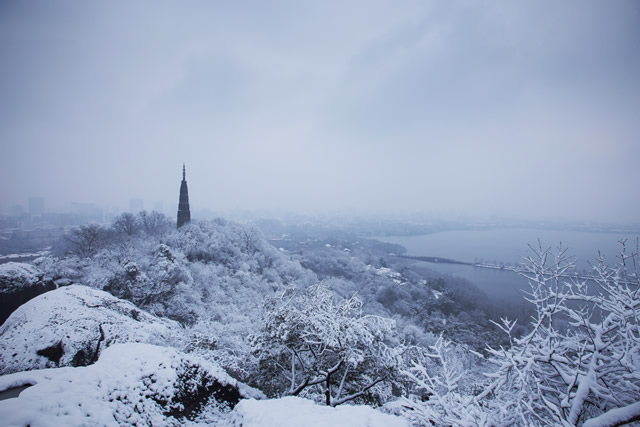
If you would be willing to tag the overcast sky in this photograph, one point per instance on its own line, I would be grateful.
(519, 109)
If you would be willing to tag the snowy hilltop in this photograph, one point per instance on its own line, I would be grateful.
(211, 324)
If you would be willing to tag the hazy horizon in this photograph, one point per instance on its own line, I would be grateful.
(508, 109)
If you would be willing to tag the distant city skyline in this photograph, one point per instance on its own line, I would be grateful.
(36, 206)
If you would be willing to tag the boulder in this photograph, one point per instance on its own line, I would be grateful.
(20, 283)
(130, 384)
(71, 326)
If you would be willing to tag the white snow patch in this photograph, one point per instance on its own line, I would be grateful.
(296, 411)
(383, 271)
(395, 276)
(43, 252)
(131, 384)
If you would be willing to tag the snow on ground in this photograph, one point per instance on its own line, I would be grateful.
(20, 256)
(147, 385)
(395, 276)
(132, 383)
(296, 412)
(18, 274)
(70, 326)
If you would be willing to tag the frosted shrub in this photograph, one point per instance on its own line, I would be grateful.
(578, 365)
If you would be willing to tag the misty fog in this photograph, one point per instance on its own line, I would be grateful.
(285, 213)
(509, 109)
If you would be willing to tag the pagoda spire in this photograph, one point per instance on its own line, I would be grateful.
(184, 214)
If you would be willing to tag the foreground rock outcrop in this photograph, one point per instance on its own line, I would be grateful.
(130, 384)
(71, 326)
(20, 283)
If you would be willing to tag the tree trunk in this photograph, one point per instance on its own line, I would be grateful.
(327, 392)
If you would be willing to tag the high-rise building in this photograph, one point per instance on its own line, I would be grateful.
(184, 215)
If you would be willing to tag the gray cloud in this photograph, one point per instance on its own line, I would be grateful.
(508, 108)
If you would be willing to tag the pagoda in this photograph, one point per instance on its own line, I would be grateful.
(184, 215)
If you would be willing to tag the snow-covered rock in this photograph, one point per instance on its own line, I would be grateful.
(131, 384)
(296, 411)
(19, 283)
(70, 326)
(17, 274)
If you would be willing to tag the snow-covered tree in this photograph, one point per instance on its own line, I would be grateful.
(578, 365)
(439, 397)
(154, 223)
(127, 224)
(83, 241)
(581, 360)
(310, 339)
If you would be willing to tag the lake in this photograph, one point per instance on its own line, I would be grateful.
(508, 246)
